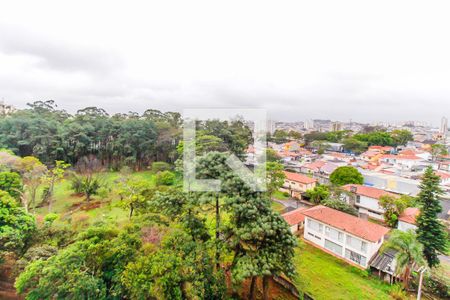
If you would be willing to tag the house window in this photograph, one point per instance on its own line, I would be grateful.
(357, 244)
(355, 257)
(314, 236)
(316, 226)
(364, 247)
(333, 247)
(334, 234)
(358, 199)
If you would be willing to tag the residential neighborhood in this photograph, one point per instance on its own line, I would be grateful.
(391, 178)
(224, 150)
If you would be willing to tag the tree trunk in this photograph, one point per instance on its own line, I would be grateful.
(131, 211)
(217, 233)
(406, 278)
(33, 198)
(266, 283)
(50, 196)
(251, 293)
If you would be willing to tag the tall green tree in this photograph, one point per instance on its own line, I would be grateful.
(430, 231)
(401, 136)
(346, 175)
(275, 177)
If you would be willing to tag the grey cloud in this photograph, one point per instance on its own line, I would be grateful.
(54, 55)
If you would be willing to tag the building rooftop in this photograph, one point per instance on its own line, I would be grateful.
(367, 191)
(299, 178)
(358, 227)
(409, 215)
(295, 216)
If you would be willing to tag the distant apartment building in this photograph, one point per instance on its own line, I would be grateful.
(347, 237)
(444, 127)
(336, 126)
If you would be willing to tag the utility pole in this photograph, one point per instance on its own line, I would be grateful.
(419, 292)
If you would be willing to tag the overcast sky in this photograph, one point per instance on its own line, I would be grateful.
(360, 60)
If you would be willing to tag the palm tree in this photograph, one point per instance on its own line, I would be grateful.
(409, 253)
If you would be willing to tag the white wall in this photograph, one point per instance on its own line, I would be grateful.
(403, 226)
(318, 238)
(366, 203)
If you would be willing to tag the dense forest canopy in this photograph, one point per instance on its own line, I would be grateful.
(48, 133)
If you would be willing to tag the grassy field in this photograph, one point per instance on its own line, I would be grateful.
(277, 207)
(280, 195)
(65, 202)
(323, 276)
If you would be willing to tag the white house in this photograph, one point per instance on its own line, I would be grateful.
(402, 162)
(295, 218)
(348, 237)
(296, 184)
(407, 220)
(366, 199)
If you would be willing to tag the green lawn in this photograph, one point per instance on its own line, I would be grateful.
(323, 276)
(277, 207)
(280, 195)
(64, 200)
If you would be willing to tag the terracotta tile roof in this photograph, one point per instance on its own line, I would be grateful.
(295, 216)
(288, 153)
(299, 178)
(381, 148)
(315, 165)
(401, 157)
(348, 223)
(409, 215)
(443, 175)
(367, 191)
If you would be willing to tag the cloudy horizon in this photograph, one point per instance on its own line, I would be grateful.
(384, 61)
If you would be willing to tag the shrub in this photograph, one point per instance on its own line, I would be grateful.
(11, 183)
(437, 286)
(398, 293)
(159, 166)
(103, 192)
(88, 185)
(80, 220)
(50, 218)
(165, 178)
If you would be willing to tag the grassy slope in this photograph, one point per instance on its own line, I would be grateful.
(319, 274)
(280, 195)
(64, 200)
(325, 277)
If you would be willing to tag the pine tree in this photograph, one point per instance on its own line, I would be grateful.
(430, 231)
